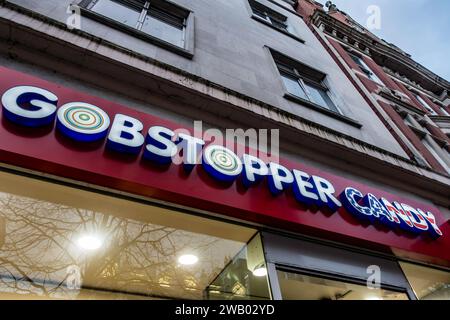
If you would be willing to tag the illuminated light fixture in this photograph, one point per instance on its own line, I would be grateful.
(260, 272)
(188, 259)
(89, 242)
(215, 291)
(164, 282)
(238, 289)
(190, 283)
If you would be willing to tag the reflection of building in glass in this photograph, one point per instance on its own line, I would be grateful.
(135, 258)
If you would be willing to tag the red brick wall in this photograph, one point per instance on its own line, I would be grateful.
(340, 17)
(369, 84)
(439, 134)
(384, 77)
(432, 105)
(306, 9)
(413, 101)
(412, 137)
(343, 53)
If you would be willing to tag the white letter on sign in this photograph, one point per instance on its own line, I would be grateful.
(125, 134)
(40, 106)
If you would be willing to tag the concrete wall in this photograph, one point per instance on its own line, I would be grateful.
(230, 51)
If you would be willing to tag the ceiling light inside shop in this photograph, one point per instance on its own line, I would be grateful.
(374, 298)
(90, 242)
(260, 272)
(188, 259)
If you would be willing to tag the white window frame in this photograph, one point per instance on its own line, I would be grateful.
(369, 72)
(268, 17)
(301, 81)
(445, 112)
(431, 148)
(185, 47)
(424, 104)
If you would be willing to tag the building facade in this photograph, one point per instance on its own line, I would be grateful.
(100, 97)
(411, 100)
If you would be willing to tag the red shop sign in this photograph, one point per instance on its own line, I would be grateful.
(280, 201)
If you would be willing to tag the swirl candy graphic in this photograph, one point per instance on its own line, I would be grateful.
(221, 163)
(82, 121)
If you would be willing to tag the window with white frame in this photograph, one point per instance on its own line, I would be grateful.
(433, 150)
(291, 2)
(426, 137)
(159, 19)
(271, 17)
(365, 68)
(424, 104)
(445, 112)
(305, 83)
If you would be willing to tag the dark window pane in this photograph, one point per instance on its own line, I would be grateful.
(320, 97)
(365, 68)
(167, 17)
(285, 69)
(119, 12)
(277, 23)
(259, 13)
(293, 87)
(356, 59)
(164, 26)
(275, 19)
(361, 65)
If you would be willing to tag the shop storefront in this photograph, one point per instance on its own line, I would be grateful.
(91, 207)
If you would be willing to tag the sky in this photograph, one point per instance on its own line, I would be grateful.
(419, 27)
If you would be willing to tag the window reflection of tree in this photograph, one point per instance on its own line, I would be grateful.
(40, 244)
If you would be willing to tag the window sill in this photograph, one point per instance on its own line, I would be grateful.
(187, 53)
(293, 36)
(321, 109)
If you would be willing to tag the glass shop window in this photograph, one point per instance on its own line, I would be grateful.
(296, 286)
(427, 283)
(60, 242)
